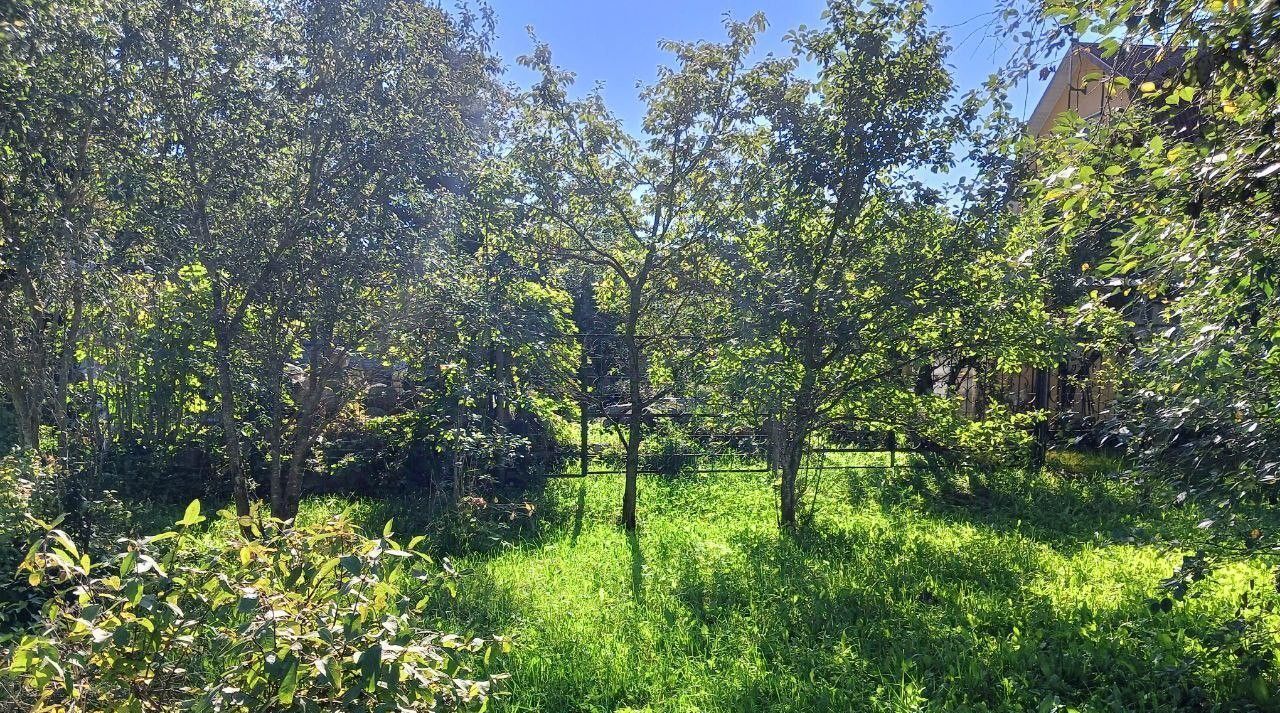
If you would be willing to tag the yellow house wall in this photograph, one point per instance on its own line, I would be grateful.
(1096, 99)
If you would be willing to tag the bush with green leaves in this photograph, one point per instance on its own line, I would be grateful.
(937, 424)
(258, 615)
(669, 451)
(1001, 437)
(29, 483)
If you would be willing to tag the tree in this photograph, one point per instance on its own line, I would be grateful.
(390, 128)
(856, 275)
(642, 216)
(1179, 185)
(309, 149)
(67, 109)
(222, 176)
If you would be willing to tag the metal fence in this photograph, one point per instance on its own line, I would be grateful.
(708, 440)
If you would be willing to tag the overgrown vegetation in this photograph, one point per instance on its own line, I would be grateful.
(281, 617)
(1172, 203)
(256, 250)
(1040, 594)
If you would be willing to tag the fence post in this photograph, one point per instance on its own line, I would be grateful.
(893, 453)
(583, 401)
(775, 446)
(1041, 446)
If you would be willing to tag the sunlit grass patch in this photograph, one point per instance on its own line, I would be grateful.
(887, 601)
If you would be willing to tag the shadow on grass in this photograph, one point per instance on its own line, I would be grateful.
(637, 567)
(1065, 513)
(981, 615)
(858, 618)
(450, 531)
(578, 512)
(963, 597)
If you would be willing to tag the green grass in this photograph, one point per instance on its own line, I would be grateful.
(1011, 591)
(1017, 593)
(895, 598)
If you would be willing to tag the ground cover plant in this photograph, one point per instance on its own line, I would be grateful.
(1042, 594)
(915, 589)
(248, 614)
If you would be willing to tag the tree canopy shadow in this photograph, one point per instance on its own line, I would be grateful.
(893, 602)
(1063, 512)
(972, 616)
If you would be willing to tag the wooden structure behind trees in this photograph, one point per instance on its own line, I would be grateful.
(1093, 82)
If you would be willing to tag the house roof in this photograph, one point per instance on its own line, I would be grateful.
(1139, 63)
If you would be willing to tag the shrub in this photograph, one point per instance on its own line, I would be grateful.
(29, 483)
(668, 452)
(279, 618)
(1000, 438)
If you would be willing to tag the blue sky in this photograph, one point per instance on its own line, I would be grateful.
(616, 42)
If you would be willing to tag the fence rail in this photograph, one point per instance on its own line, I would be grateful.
(893, 456)
(598, 386)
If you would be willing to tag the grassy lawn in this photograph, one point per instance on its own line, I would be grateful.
(1031, 596)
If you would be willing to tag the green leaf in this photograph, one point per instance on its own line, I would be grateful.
(127, 563)
(289, 684)
(192, 515)
(25, 655)
(133, 592)
(370, 663)
(351, 563)
(248, 603)
(326, 568)
(66, 543)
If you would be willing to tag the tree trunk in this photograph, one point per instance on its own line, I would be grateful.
(304, 439)
(924, 380)
(634, 417)
(25, 379)
(232, 462)
(297, 466)
(27, 415)
(275, 438)
(324, 368)
(62, 377)
(982, 374)
(1067, 412)
(795, 435)
(1041, 445)
(792, 455)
